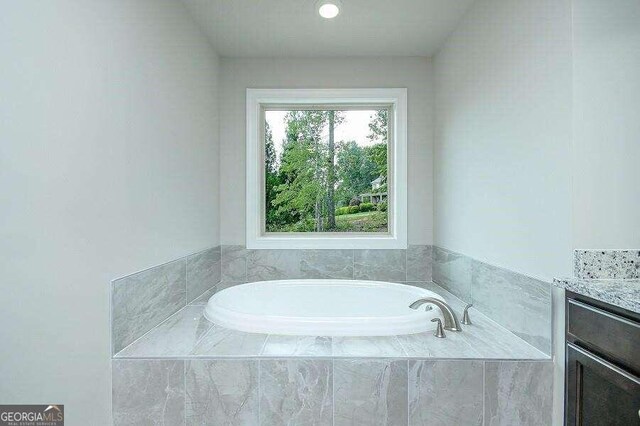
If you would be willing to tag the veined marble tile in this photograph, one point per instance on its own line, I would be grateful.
(327, 264)
(367, 346)
(426, 345)
(445, 393)
(148, 392)
(453, 272)
(234, 264)
(419, 263)
(607, 264)
(296, 392)
(519, 303)
(204, 297)
(278, 345)
(370, 392)
(222, 392)
(203, 272)
(518, 393)
(141, 301)
(225, 342)
(491, 340)
(177, 336)
(265, 265)
(380, 265)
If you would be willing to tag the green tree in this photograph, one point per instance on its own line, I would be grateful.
(269, 150)
(302, 191)
(378, 155)
(355, 170)
(379, 126)
(272, 178)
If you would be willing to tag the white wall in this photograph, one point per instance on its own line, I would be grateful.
(606, 106)
(503, 144)
(108, 164)
(240, 74)
(503, 132)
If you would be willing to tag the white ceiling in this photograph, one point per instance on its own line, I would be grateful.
(292, 28)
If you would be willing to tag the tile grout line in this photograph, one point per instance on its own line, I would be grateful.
(162, 264)
(333, 391)
(264, 345)
(186, 281)
(195, 345)
(408, 420)
(259, 391)
(484, 376)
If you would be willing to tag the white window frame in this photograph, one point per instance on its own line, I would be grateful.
(257, 238)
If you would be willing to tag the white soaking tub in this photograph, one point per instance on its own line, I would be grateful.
(322, 308)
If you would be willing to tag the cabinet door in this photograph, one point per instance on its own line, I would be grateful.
(598, 392)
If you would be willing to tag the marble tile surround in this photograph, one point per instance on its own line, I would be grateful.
(221, 392)
(324, 392)
(607, 264)
(370, 392)
(185, 370)
(445, 393)
(519, 303)
(142, 300)
(240, 265)
(148, 392)
(515, 391)
(188, 335)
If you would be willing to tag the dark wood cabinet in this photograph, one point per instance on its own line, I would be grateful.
(602, 364)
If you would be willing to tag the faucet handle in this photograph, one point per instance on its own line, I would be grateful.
(439, 330)
(465, 316)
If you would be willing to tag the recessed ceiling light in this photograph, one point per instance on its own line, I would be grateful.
(328, 8)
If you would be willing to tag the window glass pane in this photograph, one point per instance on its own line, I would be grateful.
(326, 171)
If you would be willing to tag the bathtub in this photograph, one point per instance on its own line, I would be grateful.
(322, 308)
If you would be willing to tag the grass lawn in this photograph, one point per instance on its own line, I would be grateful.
(362, 222)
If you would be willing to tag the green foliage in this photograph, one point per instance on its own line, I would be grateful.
(269, 150)
(378, 155)
(363, 222)
(379, 126)
(367, 207)
(381, 207)
(342, 210)
(309, 179)
(356, 171)
(354, 209)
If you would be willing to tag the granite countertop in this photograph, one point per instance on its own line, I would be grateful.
(624, 293)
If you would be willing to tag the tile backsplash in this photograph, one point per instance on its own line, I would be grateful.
(141, 301)
(519, 303)
(242, 265)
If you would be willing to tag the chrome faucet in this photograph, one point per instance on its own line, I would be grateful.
(450, 319)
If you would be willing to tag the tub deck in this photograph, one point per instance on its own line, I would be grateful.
(187, 334)
(189, 371)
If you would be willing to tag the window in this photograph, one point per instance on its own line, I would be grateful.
(326, 168)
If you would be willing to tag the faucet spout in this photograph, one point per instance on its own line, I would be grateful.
(450, 319)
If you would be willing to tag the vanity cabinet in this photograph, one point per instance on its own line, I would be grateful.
(602, 364)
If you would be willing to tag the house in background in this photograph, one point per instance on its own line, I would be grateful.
(375, 196)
